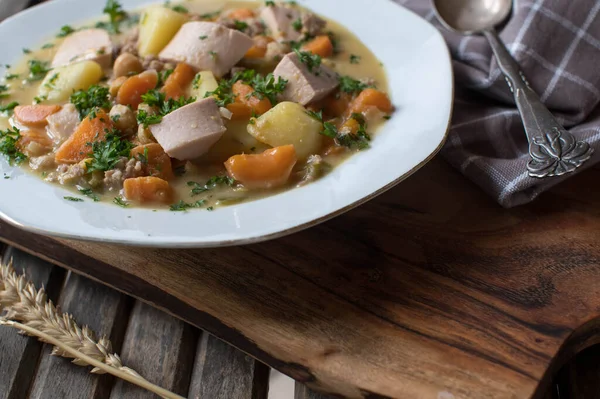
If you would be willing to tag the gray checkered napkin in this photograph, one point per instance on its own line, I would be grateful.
(557, 44)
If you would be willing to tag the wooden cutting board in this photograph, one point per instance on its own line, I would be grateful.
(430, 291)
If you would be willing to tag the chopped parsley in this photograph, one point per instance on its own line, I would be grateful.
(359, 140)
(38, 69)
(210, 208)
(213, 55)
(89, 193)
(312, 61)
(143, 158)
(211, 15)
(351, 85)
(47, 46)
(8, 107)
(146, 119)
(115, 13)
(51, 81)
(73, 199)
(108, 152)
(268, 87)
(335, 42)
(240, 25)
(119, 201)
(196, 82)
(39, 99)
(9, 139)
(297, 25)
(163, 76)
(26, 51)
(87, 101)
(11, 76)
(213, 182)
(203, 37)
(183, 206)
(156, 98)
(270, 3)
(355, 59)
(177, 8)
(4, 91)
(65, 31)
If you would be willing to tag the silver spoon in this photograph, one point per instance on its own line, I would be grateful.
(554, 151)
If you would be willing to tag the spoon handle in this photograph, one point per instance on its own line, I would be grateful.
(553, 150)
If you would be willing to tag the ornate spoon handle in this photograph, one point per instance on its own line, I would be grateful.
(553, 150)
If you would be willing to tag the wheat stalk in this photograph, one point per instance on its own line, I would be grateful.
(29, 310)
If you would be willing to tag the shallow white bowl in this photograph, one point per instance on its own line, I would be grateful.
(420, 77)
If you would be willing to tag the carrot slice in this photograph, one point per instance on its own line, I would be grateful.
(77, 147)
(246, 104)
(156, 162)
(336, 105)
(133, 88)
(259, 49)
(178, 81)
(320, 45)
(371, 98)
(241, 13)
(270, 169)
(35, 115)
(148, 189)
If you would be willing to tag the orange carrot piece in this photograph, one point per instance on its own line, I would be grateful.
(178, 81)
(371, 98)
(241, 13)
(132, 89)
(35, 115)
(259, 50)
(156, 162)
(39, 137)
(320, 45)
(336, 105)
(245, 103)
(270, 169)
(148, 189)
(76, 148)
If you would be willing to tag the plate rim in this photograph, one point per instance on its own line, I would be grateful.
(137, 242)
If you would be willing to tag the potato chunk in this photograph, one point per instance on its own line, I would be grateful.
(288, 123)
(158, 26)
(204, 82)
(61, 82)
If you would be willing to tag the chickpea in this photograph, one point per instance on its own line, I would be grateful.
(127, 64)
(124, 118)
(116, 85)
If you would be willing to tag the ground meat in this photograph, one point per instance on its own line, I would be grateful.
(129, 45)
(70, 174)
(43, 162)
(255, 26)
(125, 169)
(312, 25)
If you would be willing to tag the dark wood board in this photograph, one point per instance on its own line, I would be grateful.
(429, 290)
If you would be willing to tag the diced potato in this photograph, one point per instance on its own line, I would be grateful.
(158, 25)
(61, 82)
(288, 123)
(236, 140)
(206, 82)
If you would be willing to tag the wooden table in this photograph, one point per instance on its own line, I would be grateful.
(166, 351)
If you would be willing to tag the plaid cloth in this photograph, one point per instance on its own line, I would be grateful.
(557, 44)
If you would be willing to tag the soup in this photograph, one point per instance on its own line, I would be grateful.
(192, 105)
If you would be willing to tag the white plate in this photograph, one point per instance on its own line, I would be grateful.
(420, 77)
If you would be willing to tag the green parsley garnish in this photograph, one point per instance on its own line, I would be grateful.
(355, 59)
(182, 206)
(240, 25)
(270, 3)
(39, 99)
(351, 85)
(297, 25)
(213, 182)
(38, 69)
(89, 193)
(196, 82)
(144, 118)
(163, 76)
(329, 128)
(180, 8)
(203, 37)
(335, 42)
(213, 54)
(8, 107)
(119, 201)
(8, 145)
(11, 76)
(51, 81)
(47, 46)
(65, 31)
(26, 51)
(73, 199)
(87, 101)
(108, 152)
(4, 91)
(211, 15)
(115, 13)
(268, 87)
(312, 61)
(210, 208)
(156, 98)
(360, 140)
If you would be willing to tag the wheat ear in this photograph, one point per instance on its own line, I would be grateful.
(29, 310)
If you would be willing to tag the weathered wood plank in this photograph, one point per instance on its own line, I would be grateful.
(159, 347)
(106, 312)
(223, 372)
(301, 391)
(19, 354)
